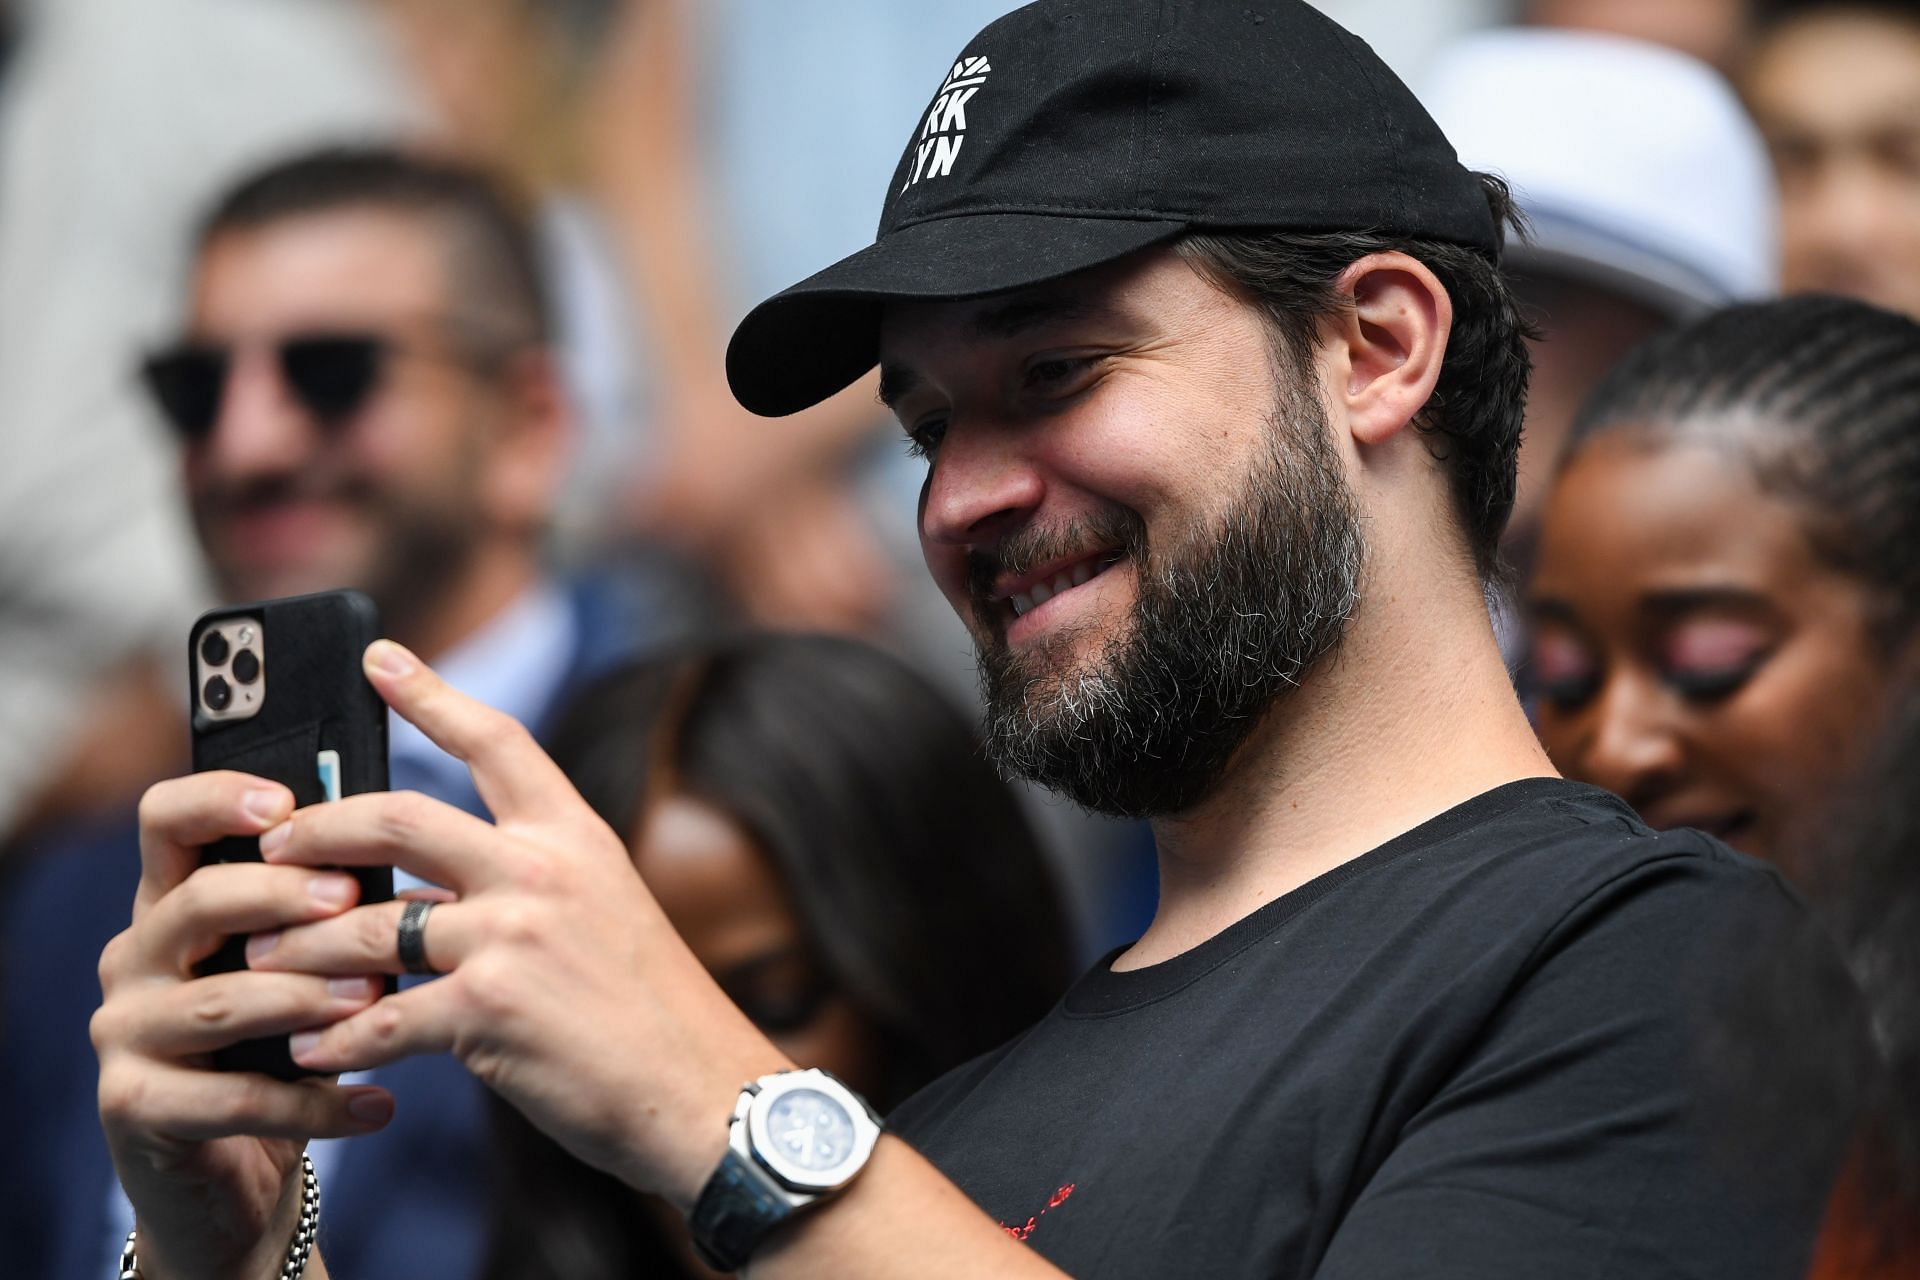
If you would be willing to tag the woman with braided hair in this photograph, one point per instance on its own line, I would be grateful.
(1730, 567)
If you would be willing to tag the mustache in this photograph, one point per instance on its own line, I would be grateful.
(1022, 550)
(261, 493)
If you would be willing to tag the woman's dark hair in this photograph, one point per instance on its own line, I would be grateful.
(1873, 899)
(1822, 396)
(914, 872)
(1473, 417)
(1811, 1047)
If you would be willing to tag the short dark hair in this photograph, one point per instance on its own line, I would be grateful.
(1766, 15)
(1473, 417)
(1822, 395)
(492, 251)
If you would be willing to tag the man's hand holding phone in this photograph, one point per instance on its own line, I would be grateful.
(565, 988)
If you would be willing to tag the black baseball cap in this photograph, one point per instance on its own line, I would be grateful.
(1070, 133)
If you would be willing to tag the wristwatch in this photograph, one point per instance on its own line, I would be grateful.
(795, 1138)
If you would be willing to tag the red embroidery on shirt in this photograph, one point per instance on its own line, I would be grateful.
(1025, 1229)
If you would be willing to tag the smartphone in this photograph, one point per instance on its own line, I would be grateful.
(277, 691)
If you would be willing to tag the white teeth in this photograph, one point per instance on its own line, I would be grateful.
(1066, 580)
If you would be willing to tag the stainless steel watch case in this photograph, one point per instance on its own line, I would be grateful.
(749, 1135)
(755, 1189)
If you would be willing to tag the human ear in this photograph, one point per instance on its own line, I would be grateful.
(531, 443)
(1394, 337)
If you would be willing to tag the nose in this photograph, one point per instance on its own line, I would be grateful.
(260, 429)
(982, 486)
(1840, 219)
(1633, 748)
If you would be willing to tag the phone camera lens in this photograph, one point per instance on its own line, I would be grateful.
(218, 694)
(246, 667)
(213, 648)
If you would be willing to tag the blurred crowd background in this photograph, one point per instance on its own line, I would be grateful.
(685, 158)
(682, 160)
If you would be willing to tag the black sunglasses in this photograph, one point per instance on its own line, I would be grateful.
(329, 374)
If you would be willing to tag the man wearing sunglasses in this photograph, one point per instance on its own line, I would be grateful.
(365, 394)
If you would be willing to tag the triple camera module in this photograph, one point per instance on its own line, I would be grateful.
(229, 659)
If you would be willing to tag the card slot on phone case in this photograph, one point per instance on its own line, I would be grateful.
(288, 756)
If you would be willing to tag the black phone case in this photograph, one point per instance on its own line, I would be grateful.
(316, 699)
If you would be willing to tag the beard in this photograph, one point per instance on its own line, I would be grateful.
(1223, 625)
(410, 554)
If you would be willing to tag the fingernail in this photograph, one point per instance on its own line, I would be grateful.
(301, 1043)
(353, 988)
(260, 944)
(371, 1107)
(274, 837)
(331, 891)
(389, 658)
(264, 804)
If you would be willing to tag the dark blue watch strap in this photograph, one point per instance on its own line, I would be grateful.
(735, 1211)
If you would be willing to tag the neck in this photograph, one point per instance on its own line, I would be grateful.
(494, 578)
(1412, 715)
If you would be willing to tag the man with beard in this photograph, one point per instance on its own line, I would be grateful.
(365, 395)
(1197, 321)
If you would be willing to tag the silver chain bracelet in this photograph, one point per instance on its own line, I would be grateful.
(296, 1263)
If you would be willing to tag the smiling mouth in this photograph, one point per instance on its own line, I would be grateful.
(1060, 580)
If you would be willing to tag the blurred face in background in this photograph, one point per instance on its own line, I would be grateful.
(1692, 651)
(723, 895)
(439, 458)
(1838, 97)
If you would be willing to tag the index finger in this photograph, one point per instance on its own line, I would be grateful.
(180, 816)
(515, 778)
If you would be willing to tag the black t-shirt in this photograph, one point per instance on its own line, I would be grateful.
(1474, 1051)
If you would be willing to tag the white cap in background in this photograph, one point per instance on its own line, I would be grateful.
(1636, 165)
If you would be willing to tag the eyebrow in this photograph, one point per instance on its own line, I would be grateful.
(1552, 608)
(1021, 315)
(1894, 124)
(1664, 604)
(1679, 601)
(896, 383)
(757, 965)
(1010, 319)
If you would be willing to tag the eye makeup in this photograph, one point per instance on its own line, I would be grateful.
(1564, 669)
(1709, 658)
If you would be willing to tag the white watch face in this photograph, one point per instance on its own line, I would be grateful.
(810, 1129)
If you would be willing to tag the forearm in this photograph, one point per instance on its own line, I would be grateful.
(900, 1218)
(648, 175)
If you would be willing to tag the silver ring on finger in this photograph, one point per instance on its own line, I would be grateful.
(413, 937)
